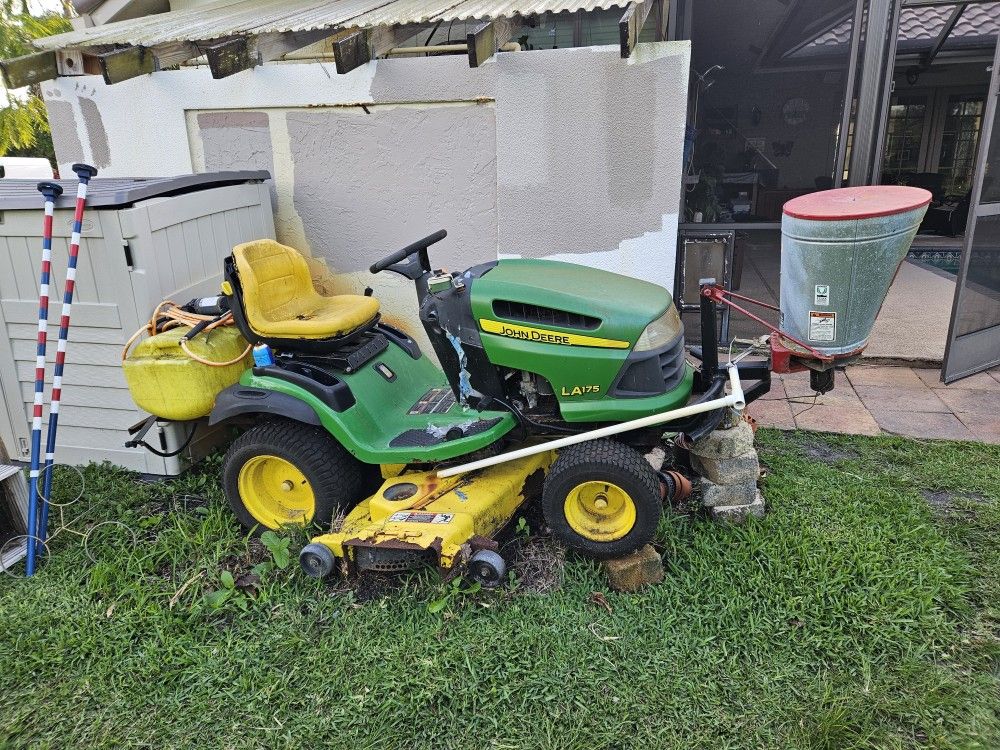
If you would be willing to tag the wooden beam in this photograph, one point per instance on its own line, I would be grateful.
(631, 24)
(356, 48)
(275, 46)
(123, 64)
(245, 52)
(353, 50)
(169, 54)
(231, 56)
(487, 38)
(29, 69)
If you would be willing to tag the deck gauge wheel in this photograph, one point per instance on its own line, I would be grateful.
(488, 568)
(317, 560)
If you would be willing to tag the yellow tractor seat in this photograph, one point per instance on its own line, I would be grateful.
(280, 302)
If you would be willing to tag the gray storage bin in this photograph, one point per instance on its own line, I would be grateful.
(143, 240)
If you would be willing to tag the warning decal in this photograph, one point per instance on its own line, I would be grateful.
(415, 517)
(822, 326)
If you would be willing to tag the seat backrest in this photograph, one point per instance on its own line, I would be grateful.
(272, 276)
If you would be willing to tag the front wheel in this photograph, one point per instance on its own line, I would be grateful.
(283, 473)
(602, 499)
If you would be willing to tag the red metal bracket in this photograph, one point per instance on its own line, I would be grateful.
(781, 354)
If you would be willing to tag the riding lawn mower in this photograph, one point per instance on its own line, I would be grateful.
(555, 380)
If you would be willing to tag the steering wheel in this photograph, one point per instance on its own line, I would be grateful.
(420, 246)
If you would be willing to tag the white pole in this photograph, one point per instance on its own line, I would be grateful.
(735, 400)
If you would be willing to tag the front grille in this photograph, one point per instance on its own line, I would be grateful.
(525, 313)
(656, 373)
(673, 364)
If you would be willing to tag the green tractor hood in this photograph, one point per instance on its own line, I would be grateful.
(577, 327)
(613, 306)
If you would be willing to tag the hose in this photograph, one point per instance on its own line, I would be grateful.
(168, 314)
(175, 452)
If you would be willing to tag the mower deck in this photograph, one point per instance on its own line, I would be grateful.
(417, 518)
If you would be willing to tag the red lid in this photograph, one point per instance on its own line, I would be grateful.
(865, 202)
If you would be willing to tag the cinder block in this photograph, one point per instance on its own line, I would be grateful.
(714, 495)
(631, 573)
(745, 468)
(656, 457)
(736, 514)
(725, 443)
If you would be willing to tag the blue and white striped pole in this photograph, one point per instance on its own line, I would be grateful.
(50, 191)
(84, 172)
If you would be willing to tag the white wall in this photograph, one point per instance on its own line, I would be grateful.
(572, 154)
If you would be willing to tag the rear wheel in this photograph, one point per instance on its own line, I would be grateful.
(286, 473)
(602, 499)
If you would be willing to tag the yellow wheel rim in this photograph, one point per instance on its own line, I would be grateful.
(599, 511)
(275, 492)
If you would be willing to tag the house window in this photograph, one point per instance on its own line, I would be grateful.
(963, 120)
(904, 135)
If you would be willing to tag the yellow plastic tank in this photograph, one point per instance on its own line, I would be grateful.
(166, 382)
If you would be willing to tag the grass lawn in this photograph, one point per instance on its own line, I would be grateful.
(863, 611)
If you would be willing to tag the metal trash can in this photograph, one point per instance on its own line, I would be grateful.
(840, 250)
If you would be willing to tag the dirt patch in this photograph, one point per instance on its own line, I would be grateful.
(539, 564)
(826, 454)
(367, 586)
(689, 506)
(946, 502)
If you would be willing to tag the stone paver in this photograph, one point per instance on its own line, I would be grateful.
(798, 390)
(903, 398)
(985, 429)
(868, 400)
(823, 418)
(773, 409)
(883, 375)
(961, 401)
(981, 381)
(929, 426)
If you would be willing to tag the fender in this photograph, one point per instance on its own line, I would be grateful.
(237, 400)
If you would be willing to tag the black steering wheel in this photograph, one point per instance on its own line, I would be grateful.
(420, 246)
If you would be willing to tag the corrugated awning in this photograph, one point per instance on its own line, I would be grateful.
(236, 35)
(228, 18)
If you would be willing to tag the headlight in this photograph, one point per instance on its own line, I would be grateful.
(660, 332)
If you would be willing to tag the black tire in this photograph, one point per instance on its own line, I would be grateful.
(613, 463)
(337, 479)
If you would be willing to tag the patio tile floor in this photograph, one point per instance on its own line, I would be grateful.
(874, 399)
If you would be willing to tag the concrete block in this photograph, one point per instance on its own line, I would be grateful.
(725, 443)
(745, 468)
(714, 495)
(735, 514)
(656, 458)
(631, 573)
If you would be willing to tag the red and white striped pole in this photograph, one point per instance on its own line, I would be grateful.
(84, 172)
(50, 191)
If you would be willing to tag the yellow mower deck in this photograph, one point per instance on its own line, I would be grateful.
(418, 516)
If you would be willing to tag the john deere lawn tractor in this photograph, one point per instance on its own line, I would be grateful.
(554, 380)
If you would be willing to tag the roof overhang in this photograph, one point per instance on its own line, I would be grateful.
(235, 35)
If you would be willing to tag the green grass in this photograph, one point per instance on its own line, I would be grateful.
(857, 614)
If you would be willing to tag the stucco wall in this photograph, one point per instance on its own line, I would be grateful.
(573, 154)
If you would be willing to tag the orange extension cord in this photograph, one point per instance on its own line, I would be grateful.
(174, 316)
